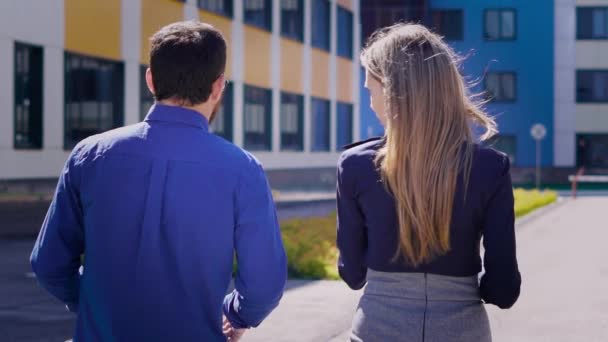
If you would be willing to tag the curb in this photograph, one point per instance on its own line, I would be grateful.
(524, 220)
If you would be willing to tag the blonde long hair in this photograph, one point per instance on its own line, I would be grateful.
(429, 140)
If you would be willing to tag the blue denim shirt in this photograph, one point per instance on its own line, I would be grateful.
(160, 209)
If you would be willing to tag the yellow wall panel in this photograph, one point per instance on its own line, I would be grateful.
(224, 25)
(93, 27)
(257, 57)
(348, 4)
(320, 72)
(291, 66)
(345, 80)
(154, 15)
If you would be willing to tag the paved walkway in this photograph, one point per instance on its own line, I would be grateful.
(563, 258)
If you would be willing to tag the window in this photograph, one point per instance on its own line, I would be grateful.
(345, 33)
(501, 86)
(292, 19)
(506, 144)
(344, 133)
(500, 25)
(258, 13)
(592, 150)
(592, 23)
(223, 7)
(146, 99)
(377, 14)
(28, 96)
(258, 119)
(320, 24)
(222, 122)
(592, 86)
(292, 122)
(320, 125)
(448, 23)
(94, 93)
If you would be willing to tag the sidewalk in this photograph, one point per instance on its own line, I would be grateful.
(310, 311)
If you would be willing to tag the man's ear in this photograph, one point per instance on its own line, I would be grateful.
(217, 88)
(149, 82)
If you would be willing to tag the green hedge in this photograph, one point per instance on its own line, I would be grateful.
(310, 242)
(527, 201)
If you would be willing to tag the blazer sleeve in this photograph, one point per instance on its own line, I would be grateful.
(500, 284)
(351, 233)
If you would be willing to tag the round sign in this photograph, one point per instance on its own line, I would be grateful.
(538, 131)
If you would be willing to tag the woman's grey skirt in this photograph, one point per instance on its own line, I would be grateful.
(420, 307)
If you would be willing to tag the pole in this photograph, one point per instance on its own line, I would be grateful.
(537, 164)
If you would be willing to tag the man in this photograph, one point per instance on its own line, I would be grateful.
(159, 209)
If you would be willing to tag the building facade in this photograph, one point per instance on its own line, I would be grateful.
(73, 68)
(535, 62)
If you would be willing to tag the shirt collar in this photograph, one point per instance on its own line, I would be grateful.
(174, 114)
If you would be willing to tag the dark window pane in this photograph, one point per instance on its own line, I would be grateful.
(223, 7)
(222, 123)
(584, 23)
(146, 99)
(592, 86)
(94, 93)
(344, 134)
(501, 86)
(448, 23)
(320, 125)
(292, 19)
(292, 122)
(592, 150)
(320, 24)
(345, 33)
(258, 13)
(500, 25)
(258, 118)
(28, 96)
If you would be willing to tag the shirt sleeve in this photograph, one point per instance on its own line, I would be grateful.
(351, 234)
(262, 264)
(500, 284)
(55, 258)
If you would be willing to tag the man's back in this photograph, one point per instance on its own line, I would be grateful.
(164, 206)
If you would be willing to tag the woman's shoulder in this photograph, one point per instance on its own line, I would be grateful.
(361, 151)
(489, 162)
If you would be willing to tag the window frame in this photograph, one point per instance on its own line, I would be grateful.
(268, 12)
(579, 72)
(501, 74)
(118, 90)
(341, 145)
(350, 34)
(501, 37)
(579, 36)
(268, 124)
(299, 98)
(30, 145)
(314, 43)
(327, 104)
(228, 14)
(443, 11)
(300, 36)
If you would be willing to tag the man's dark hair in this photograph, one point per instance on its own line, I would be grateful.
(185, 59)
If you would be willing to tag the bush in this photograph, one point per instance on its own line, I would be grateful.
(527, 201)
(310, 243)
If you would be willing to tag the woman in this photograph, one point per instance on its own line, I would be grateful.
(414, 205)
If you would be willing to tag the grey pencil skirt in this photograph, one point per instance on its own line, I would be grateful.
(420, 307)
